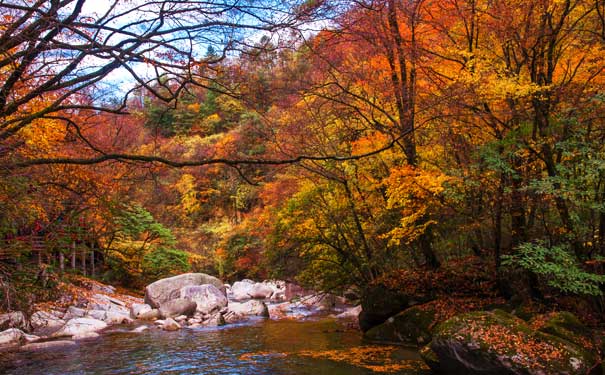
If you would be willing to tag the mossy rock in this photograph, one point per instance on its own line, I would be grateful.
(565, 325)
(411, 326)
(497, 342)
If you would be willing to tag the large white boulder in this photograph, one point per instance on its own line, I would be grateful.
(208, 298)
(80, 326)
(168, 289)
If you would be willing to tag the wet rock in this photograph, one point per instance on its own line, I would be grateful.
(170, 288)
(48, 345)
(140, 329)
(176, 307)
(171, 325)
(79, 326)
(207, 297)
(350, 313)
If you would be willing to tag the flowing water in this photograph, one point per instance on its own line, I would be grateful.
(287, 347)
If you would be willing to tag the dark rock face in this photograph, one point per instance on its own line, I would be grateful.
(411, 326)
(380, 303)
(500, 343)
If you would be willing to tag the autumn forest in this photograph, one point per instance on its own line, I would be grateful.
(454, 150)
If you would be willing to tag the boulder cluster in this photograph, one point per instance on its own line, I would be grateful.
(189, 300)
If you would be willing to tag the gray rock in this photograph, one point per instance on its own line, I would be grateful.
(250, 308)
(61, 344)
(261, 291)
(12, 337)
(96, 314)
(74, 312)
(170, 288)
(14, 320)
(176, 307)
(150, 315)
(181, 318)
(241, 290)
(31, 338)
(79, 326)
(112, 317)
(208, 298)
(103, 288)
(109, 299)
(109, 317)
(45, 320)
(215, 320)
(171, 325)
(109, 306)
(137, 309)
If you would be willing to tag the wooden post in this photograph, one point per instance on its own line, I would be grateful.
(73, 255)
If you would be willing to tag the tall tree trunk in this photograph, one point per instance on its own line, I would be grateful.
(73, 255)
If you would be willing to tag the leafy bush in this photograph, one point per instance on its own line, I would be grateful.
(558, 266)
(164, 262)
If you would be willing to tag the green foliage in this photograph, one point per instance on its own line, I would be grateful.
(558, 266)
(164, 262)
(139, 246)
(134, 222)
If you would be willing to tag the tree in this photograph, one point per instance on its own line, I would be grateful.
(58, 57)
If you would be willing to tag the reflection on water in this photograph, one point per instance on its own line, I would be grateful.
(262, 347)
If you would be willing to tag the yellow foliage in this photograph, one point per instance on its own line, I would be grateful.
(418, 194)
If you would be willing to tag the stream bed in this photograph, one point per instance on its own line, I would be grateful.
(285, 347)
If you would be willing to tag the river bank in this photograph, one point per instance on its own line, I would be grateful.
(89, 308)
(482, 334)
